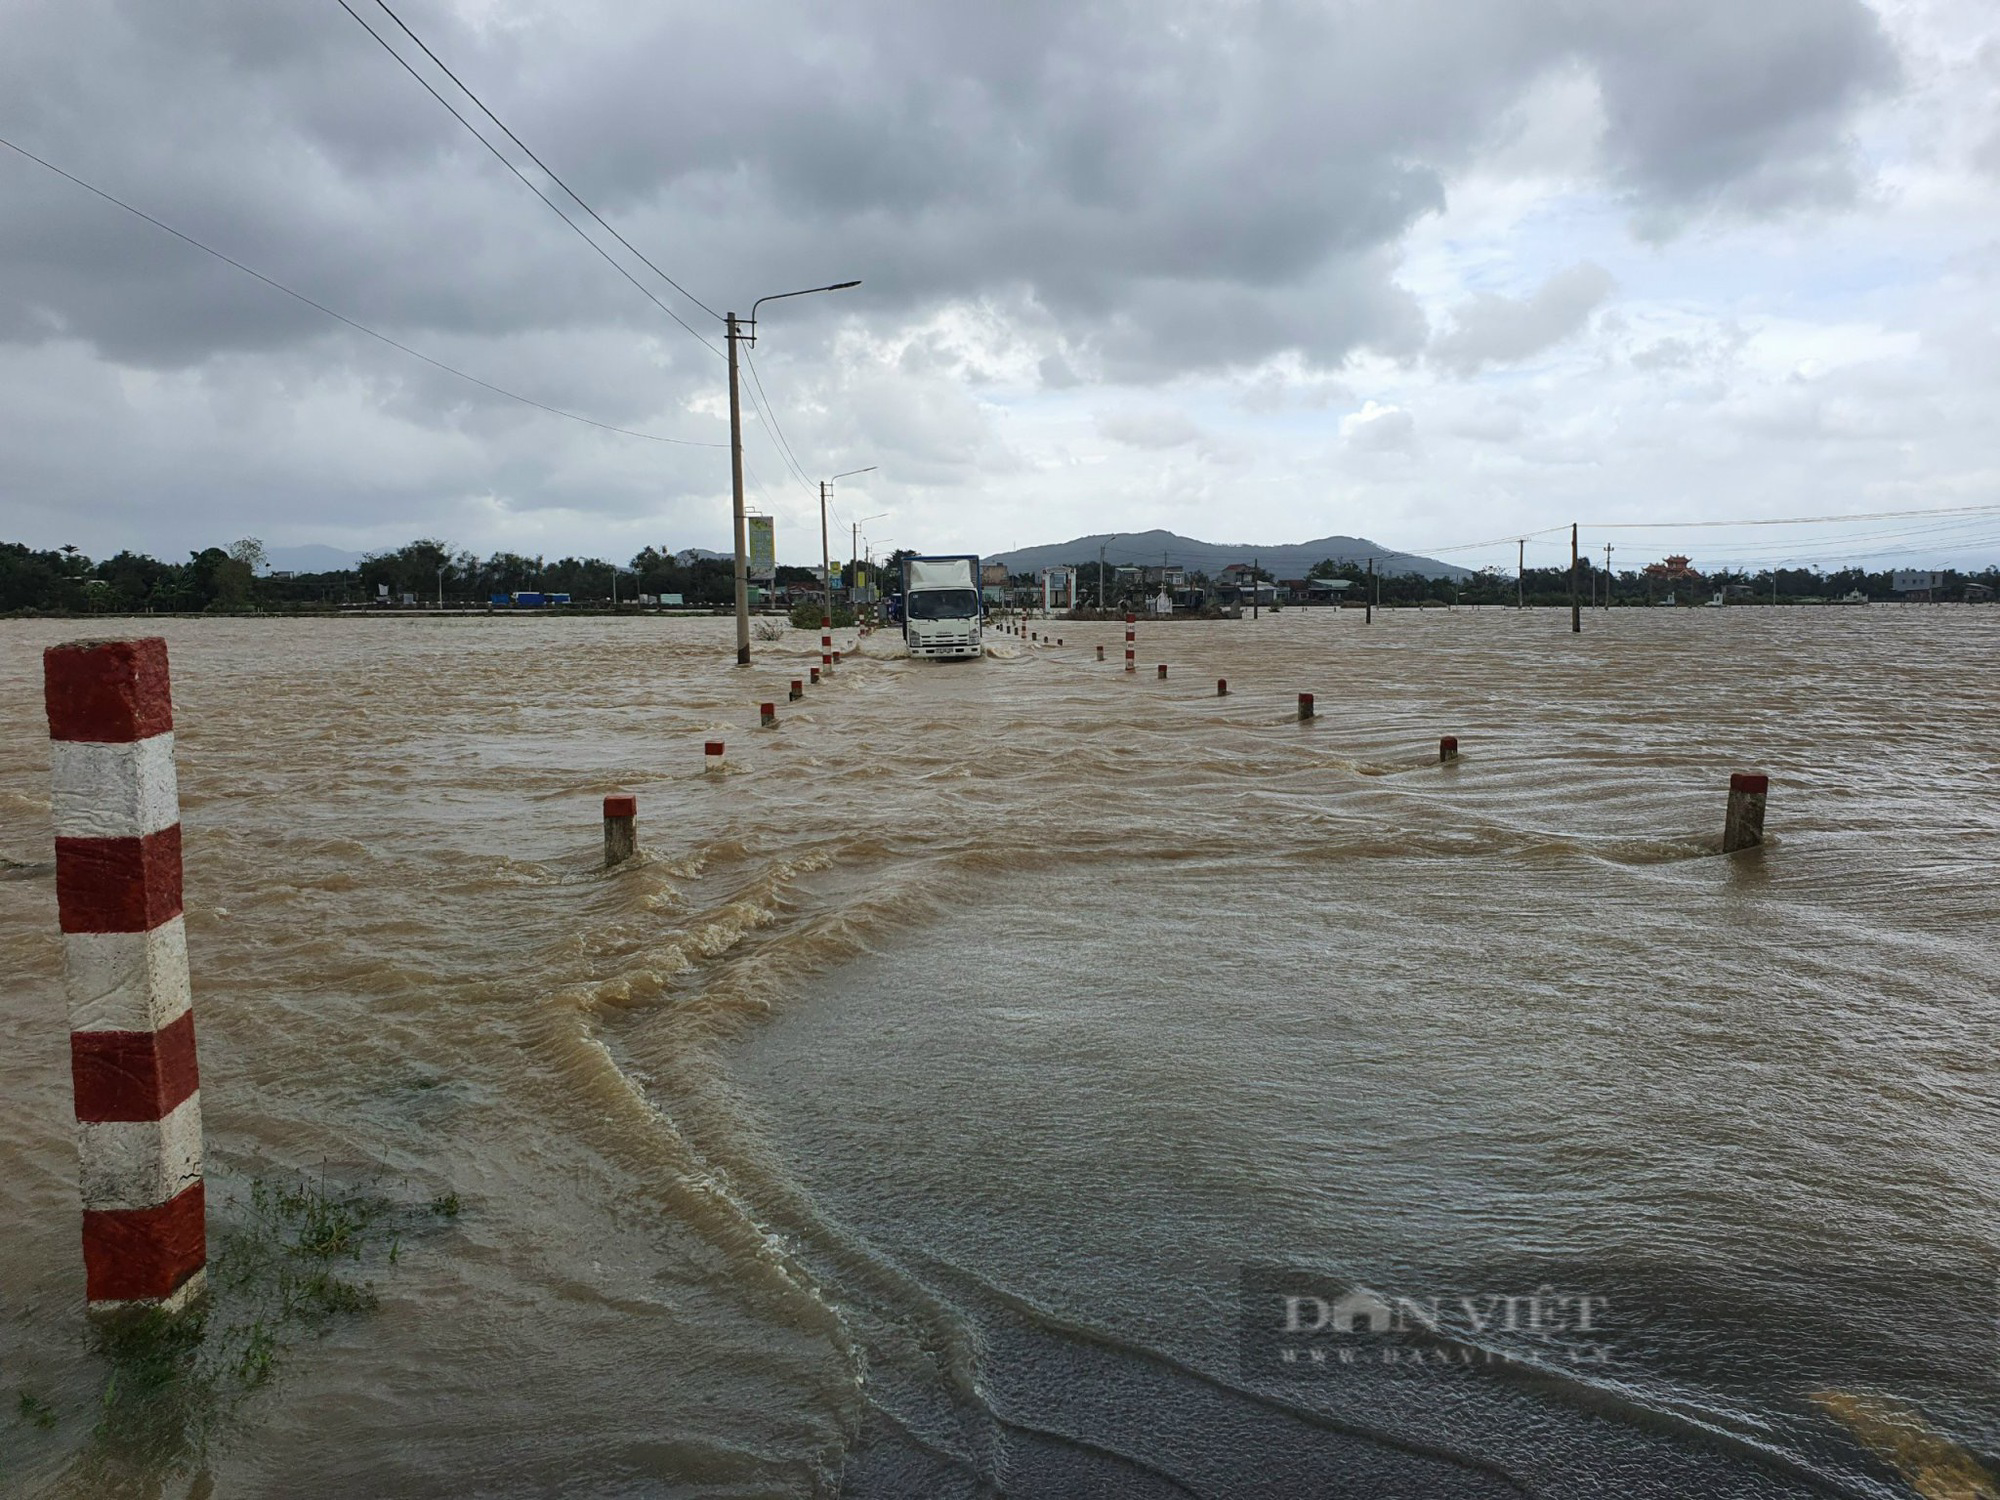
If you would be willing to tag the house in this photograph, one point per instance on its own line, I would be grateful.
(1327, 590)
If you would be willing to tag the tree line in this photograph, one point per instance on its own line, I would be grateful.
(1548, 586)
(233, 578)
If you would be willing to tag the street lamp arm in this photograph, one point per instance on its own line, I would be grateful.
(838, 286)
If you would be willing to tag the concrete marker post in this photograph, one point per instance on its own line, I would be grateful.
(711, 755)
(798, 690)
(836, 658)
(767, 716)
(1163, 671)
(1743, 823)
(1305, 706)
(1100, 653)
(815, 676)
(621, 828)
(134, 1080)
(1131, 660)
(1447, 749)
(1222, 687)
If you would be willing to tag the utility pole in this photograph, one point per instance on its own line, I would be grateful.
(1607, 575)
(735, 330)
(1368, 595)
(1521, 573)
(736, 502)
(825, 566)
(1256, 589)
(1575, 608)
(1102, 604)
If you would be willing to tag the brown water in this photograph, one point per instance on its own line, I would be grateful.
(902, 1122)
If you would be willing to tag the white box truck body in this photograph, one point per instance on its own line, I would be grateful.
(942, 610)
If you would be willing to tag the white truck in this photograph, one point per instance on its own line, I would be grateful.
(942, 609)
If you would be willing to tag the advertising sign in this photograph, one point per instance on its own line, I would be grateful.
(763, 546)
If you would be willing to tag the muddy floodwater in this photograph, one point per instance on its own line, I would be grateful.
(936, 1105)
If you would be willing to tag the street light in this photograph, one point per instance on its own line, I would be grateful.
(854, 545)
(825, 556)
(736, 333)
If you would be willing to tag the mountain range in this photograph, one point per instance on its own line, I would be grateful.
(1281, 560)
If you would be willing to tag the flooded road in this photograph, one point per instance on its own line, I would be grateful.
(916, 1114)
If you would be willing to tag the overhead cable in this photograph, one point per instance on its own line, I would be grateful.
(467, 91)
(501, 157)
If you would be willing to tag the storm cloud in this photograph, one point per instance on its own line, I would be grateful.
(1043, 200)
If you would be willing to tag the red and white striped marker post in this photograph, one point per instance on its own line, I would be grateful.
(815, 676)
(1305, 706)
(798, 690)
(825, 664)
(711, 755)
(1163, 671)
(116, 808)
(826, 637)
(1131, 660)
(767, 716)
(1743, 824)
(1447, 749)
(1222, 687)
(836, 658)
(1100, 653)
(621, 828)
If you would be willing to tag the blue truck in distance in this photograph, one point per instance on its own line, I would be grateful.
(942, 609)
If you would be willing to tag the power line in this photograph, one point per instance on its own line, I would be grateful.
(501, 157)
(467, 91)
(1877, 515)
(1499, 541)
(770, 412)
(557, 411)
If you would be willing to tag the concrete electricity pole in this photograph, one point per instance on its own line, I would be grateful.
(1575, 608)
(825, 557)
(1368, 596)
(736, 330)
(736, 503)
(1521, 573)
(1607, 575)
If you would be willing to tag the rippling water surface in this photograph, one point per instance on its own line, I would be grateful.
(904, 1120)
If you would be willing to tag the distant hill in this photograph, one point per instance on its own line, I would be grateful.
(1282, 560)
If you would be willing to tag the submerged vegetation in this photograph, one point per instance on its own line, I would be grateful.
(296, 1257)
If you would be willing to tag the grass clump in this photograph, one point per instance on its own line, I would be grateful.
(300, 1258)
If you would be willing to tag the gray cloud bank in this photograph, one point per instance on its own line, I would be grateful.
(1140, 191)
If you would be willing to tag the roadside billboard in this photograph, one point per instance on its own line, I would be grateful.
(763, 546)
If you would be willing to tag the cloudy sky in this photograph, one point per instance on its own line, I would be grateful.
(1435, 272)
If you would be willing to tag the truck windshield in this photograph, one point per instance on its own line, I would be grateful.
(943, 604)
